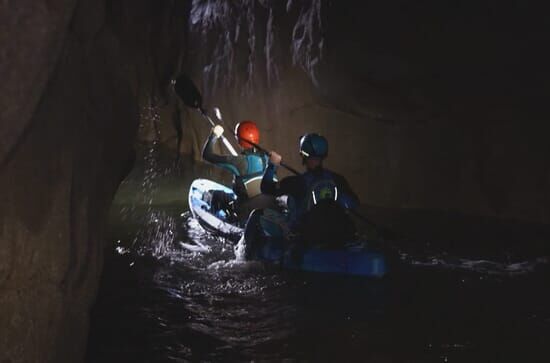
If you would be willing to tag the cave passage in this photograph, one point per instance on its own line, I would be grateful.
(432, 112)
(415, 163)
(473, 296)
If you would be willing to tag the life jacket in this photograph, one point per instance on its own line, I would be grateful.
(249, 182)
(323, 220)
(320, 188)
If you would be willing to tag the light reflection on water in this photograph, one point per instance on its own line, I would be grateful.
(173, 292)
(174, 304)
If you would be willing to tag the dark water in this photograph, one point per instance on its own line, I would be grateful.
(160, 302)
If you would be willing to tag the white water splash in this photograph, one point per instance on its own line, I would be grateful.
(240, 250)
(197, 247)
(200, 239)
(157, 233)
(217, 254)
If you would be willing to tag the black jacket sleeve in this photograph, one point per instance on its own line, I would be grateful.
(344, 186)
(269, 185)
(209, 155)
(291, 185)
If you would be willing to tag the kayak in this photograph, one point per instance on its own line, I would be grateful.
(215, 220)
(354, 259)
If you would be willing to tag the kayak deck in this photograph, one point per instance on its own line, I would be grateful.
(201, 208)
(353, 259)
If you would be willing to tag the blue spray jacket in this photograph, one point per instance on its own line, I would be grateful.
(310, 188)
(247, 168)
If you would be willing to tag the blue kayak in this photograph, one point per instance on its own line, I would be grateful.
(354, 259)
(217, 220)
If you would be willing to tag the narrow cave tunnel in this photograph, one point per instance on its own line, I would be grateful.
(435, 112)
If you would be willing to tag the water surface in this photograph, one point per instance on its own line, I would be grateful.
(172, 292)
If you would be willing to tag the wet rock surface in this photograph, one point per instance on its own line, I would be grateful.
(426, 107)
(75, 77)
(436, 106)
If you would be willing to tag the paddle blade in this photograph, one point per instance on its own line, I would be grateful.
(188, 92)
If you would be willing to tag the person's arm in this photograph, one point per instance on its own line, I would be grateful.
(224, 161)
(290, 185)
(347, 197)
(269, 184)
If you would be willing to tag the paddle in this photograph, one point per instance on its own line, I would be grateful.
(286, 166)
(191, 97)
(291, 169)
(256, 146)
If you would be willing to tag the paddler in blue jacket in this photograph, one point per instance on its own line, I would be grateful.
(317, 200)
(247, 168)
(316, 186)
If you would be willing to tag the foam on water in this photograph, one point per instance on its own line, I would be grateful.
(240, 249)
(481, 266)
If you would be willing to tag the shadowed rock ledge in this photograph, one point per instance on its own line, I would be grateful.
(426, 107)
(75, 77)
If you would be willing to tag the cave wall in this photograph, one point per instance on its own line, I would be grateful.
(430, 106)
(426, 106)
(76, 77)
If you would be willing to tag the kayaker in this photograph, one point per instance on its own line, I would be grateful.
(317, 200)
(247, 168)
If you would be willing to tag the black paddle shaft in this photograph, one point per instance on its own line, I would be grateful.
(291, 169)
(288, 167)
(190, 95)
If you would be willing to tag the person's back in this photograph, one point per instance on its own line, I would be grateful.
(324, 221)
(247, 168)
(320, 196)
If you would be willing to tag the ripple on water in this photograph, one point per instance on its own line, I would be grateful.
(195, 302)
(485, 267)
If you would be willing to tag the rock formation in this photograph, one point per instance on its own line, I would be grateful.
(429, 106)
(75, 77)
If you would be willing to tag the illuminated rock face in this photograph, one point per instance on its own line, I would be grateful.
(74, 76)
(425, 107)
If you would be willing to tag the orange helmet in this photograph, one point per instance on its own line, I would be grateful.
(247, 131)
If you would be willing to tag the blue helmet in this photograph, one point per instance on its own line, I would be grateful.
(313, 145)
